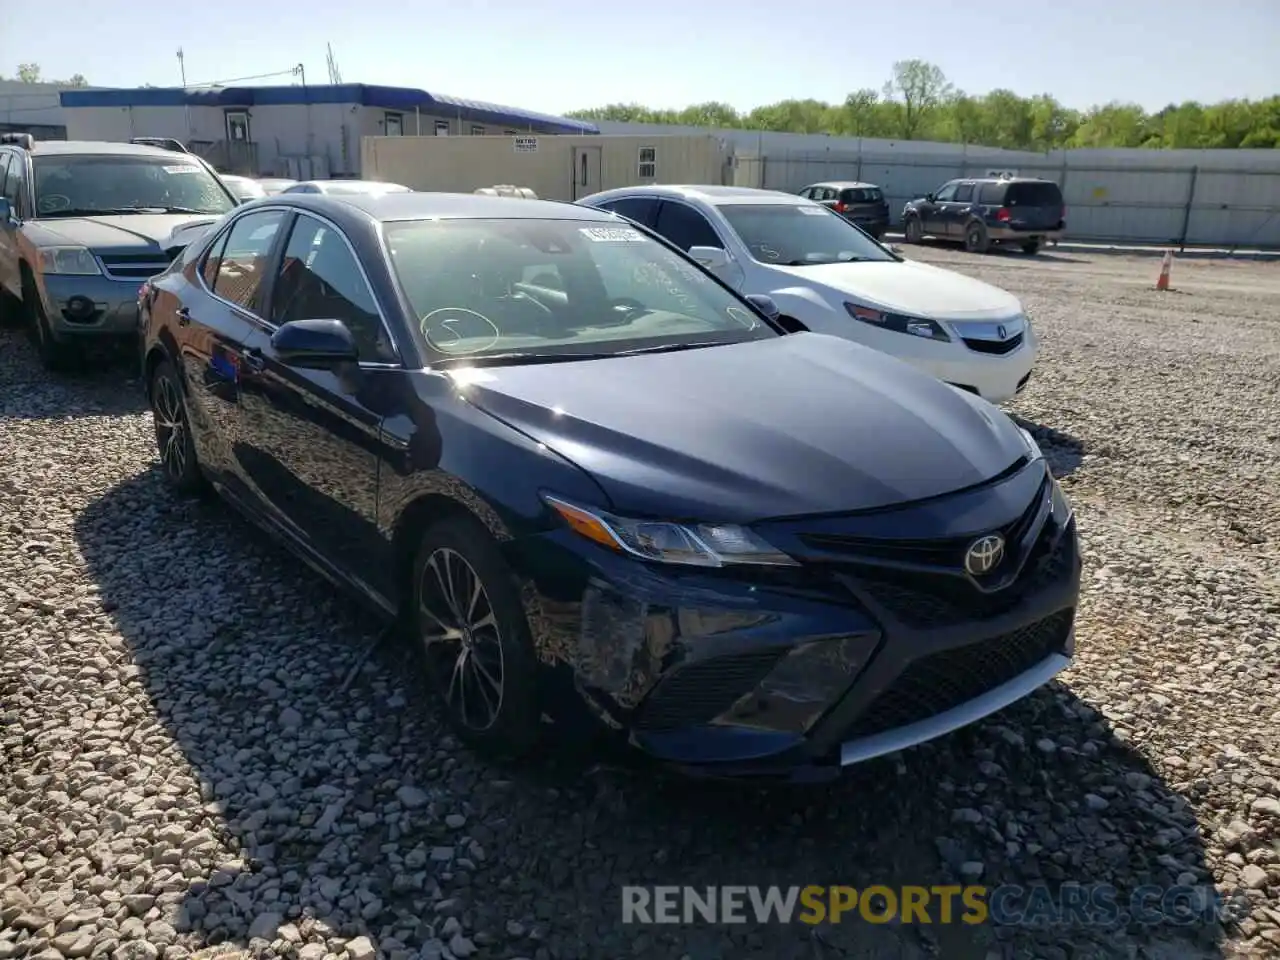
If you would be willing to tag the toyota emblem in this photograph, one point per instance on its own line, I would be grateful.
(1002, 333)
(984, 554)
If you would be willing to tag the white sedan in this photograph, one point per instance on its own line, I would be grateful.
(828, 276)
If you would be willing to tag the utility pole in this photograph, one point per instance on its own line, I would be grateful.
(186, 107)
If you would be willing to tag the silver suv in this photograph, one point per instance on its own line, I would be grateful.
(83, 224)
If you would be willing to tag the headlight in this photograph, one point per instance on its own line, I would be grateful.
(697, 545)
(897, 322)
(1033, 448)
(72, 261)
(1060, 505)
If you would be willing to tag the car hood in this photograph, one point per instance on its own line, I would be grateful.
(105, 233)
(803, 424)
(910, 287)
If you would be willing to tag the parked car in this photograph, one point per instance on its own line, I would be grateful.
(829, 277)
(344, 187)
(245, 188)
(164, 143)
(82, 224)
(274, 185)
(981, 212)
(863, 204)
(598, 486)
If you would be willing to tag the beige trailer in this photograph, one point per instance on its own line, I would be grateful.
(555, 167)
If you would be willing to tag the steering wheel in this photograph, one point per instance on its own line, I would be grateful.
(53, 202)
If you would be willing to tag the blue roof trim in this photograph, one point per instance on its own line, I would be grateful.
(387, 98)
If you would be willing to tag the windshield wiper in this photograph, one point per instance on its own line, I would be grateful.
(120, 211)
(671, 347)
(513, 359)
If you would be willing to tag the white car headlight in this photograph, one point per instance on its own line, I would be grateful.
(697, 545)
(70, 261)
(897, 322)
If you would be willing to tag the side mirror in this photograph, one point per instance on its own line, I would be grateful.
(6, 211)
(765, 305)
(930, 197)
(315, 343)
(713, 258)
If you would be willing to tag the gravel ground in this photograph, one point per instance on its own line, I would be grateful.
(181, 774)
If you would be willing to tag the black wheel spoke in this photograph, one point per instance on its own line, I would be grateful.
(461, 635)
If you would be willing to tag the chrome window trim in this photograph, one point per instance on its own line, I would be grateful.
(270, 327)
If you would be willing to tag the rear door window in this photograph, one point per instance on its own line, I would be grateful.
(991, 194)
(639, 209)
(686, 227)
(1039, 194)
(243, 264)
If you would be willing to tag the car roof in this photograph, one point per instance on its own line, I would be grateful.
(707, 193)
(844, 184)
(100, 148)
(388, 207)
(1005, 180)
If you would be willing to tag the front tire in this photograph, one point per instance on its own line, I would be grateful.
(55, 357)
(473, 639)
(913, 230)
(173, 432)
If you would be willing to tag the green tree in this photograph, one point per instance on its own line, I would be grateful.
(29, 72)
(916, 92)
(919, 103)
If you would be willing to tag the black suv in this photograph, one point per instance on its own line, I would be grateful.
(861, 203)
(980, 212)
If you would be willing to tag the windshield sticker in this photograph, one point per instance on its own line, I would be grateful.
(452, 330)
(743, 317)
(185, 168)
(612, 235)
(813, 211)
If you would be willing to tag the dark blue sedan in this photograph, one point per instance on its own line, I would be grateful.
(601, 491)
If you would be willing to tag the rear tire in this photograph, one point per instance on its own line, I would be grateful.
(913, 231)
(1031, 247)
(472, 638)
(173, 432)
(976, 239)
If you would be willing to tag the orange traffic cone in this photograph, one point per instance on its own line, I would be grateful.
(1166, 264)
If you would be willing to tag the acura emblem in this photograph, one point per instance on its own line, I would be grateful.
(1002, 333)
(984, 554)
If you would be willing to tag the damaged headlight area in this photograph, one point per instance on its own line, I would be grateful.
(695, 545)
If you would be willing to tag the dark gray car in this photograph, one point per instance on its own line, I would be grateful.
(83, 224)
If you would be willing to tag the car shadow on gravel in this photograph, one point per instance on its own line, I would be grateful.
(1064, 452)
(319, 815)
(97, 385)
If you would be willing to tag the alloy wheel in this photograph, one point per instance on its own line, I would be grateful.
(460, 634)
(171, 427)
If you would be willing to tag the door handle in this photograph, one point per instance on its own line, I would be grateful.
(184, 317)
(254, 360)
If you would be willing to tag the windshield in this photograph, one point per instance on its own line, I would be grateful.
(799, 234)
(557, 289)
(244, 188)
(86, 185)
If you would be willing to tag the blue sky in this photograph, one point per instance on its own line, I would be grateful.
(556, 55)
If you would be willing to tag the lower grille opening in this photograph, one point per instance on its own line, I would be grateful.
(698, 693)
(941, 681)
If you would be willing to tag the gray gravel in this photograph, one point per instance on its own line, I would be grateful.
(179, 774)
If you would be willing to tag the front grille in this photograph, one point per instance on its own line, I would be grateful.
(997, 347)
(134, 266)
(924, 600)
(698, 693)
(941, 681)
(947, 553)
